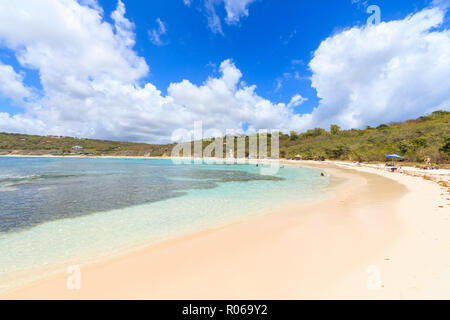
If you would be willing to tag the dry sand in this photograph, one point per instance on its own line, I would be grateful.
(381, 236)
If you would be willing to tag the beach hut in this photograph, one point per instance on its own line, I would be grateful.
(298, 157)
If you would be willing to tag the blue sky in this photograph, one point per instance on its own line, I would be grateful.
(276, 39)
(271, 44)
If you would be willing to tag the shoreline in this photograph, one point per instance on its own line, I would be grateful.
(375, 164)
(440, 176)
(75, 156)
(324, 250)
(21, 278)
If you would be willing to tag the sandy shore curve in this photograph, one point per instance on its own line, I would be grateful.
(380, 236)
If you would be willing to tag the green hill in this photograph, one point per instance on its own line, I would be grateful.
(11, 143)
(427, 136)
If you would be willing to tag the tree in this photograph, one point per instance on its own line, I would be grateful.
(336, 152)
(446, 147)
(403, 147)
(314, 132)
(382, 127)
(294, 136)
(335, 129)
(418, 143)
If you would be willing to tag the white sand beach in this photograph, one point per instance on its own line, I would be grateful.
(382, 235)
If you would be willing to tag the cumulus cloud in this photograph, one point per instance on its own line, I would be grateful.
(235, 9)
(69, 43)
(391, 71)
(92, 83)
(225, 103)
(91, 80)
(11, 85)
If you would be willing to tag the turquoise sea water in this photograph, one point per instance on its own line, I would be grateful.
(56, 212)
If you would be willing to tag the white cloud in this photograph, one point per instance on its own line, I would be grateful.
(214, 22)
(70, 43)
(92, 4)
(388, 72)
(155, 34)
(278, 84)
(11, 85)
(235, 9)
(225, 104)
(444, 4)
(124, 28)
(296, 101)
(91, 80)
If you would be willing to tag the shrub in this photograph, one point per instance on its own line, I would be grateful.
(337, 152)
(335, 129)
(293, 136)
(403, 147)
(440, 113)
(418, 143)
(446, 146)
(314, 132)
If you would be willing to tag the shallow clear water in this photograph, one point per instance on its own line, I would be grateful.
(60, 211)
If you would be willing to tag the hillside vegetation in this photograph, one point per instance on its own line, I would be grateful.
(11, 143)
(416, 140)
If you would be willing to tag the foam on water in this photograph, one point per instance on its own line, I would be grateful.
(204, 196)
